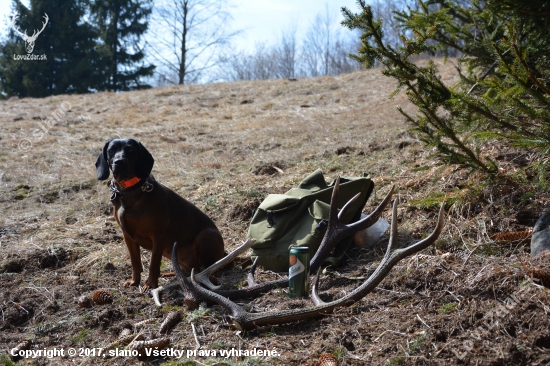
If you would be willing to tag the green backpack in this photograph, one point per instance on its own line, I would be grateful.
(299, 218)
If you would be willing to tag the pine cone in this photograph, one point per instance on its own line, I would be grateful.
(327, 359)
(512, 235)
(172, 318)
(25, 345)
(543, 274)
(123, 340)
(102, 297)
(539, 267)
(142, 323)
(158, 343)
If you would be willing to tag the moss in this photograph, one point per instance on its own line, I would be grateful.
(202, 311)
(339, 352)
(447, 308)
(80, 337)
(5, 361)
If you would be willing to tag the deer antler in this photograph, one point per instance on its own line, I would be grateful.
(34, 34)
(13, 20)
(336, 231)
(245, 320)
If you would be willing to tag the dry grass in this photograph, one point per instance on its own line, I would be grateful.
(208, 140)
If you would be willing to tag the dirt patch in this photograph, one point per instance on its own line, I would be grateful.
(56, 257)
(276, 167)
(243, 211)
(345, 150)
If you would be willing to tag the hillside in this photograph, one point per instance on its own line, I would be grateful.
(224, 147)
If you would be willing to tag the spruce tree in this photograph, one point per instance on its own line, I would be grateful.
(504, 68)
(120, 24)
(66, 41)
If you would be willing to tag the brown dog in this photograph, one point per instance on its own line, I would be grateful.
(154, 217)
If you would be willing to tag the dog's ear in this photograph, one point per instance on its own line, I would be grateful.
(101, 164)
(145, 162)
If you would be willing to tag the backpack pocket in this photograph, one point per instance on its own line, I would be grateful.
(271, 219)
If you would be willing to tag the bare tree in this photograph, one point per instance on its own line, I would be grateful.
(385, 10)
(234, 67)
(340, 62)
(187, 35)
(326, 47)
(264, 62)
(261, 64)
(287, 52)
(316, 50)
(324, 51)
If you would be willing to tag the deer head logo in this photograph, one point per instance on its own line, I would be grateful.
(29, 41)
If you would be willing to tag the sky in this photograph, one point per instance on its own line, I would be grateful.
(261, 20)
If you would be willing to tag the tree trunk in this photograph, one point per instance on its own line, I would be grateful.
(181, 73)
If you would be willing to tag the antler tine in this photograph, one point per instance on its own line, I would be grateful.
(374, 216)
(424, 243)
(333, 212)
(204, 276)
(337, 231)
(250, 277)
(392, 258)
(44, 23)
(155, 293)
(347, 206)
(13, 20)
(334, 227)
(314, 295)
(393, 228)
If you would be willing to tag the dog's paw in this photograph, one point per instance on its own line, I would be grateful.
(149, 285)
(130, 283)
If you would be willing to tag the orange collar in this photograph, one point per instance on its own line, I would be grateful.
(129, 182)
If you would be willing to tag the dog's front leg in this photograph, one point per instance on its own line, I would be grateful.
(154, 266)
(135, 258)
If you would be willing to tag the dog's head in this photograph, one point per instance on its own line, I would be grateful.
(127, 158)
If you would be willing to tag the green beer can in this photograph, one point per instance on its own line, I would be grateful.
(298, 272)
